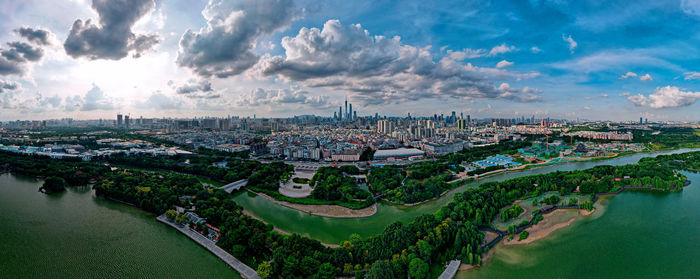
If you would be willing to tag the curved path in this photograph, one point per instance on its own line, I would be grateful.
(333, 230)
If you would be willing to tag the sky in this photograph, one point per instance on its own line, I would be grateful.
(598, 60)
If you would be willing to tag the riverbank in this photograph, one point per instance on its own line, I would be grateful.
(281, 231)
(324, 210)
(243, 269)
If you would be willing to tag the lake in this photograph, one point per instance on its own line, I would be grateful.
(77, 235)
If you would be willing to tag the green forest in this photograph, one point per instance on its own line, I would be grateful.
(411, 183)
(335, 184)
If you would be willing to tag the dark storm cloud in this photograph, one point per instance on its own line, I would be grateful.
(224, 47)
(112, 38)
(13, 59)
(35, 35)
(194, 87)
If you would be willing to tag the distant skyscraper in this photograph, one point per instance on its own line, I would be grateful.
(354, 115)
(384, 127)
(350, 118)
(461, 124)
(119, 121)
(340, 113)
(126, 121)
(346, 108)
(641, 121)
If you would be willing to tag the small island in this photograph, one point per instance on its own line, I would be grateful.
(53, 184)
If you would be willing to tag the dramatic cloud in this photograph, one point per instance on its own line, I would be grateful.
(112, 38)
(35, 35)
(628, 75)
(378, 69)
(95, 99)
(224, 47)
(503, 64)
(261, 96)
(646, 77)
(569, 40)
(691, 75)
(7, 86)
(666, 97)
(13, 60)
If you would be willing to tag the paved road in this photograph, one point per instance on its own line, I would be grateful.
(239, 266)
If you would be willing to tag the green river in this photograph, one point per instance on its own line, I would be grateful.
(77, 235)
(337, 230)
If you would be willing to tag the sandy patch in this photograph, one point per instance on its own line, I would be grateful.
(584, 212)
(543, 229)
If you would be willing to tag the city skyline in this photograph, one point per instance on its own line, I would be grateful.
(92, 60)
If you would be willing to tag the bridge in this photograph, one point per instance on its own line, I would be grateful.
(236, 185)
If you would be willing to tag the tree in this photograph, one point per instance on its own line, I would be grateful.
(418, 269)
(264, 270)
(181, 219)
(53, 184)
(308, 266)
(326, 271)
(171, 214)
(380, 270)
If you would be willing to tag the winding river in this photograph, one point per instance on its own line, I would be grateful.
(336, 230)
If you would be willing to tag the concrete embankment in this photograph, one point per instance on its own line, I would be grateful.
(243, 269)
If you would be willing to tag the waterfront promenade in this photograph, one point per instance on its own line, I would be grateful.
(243, 269)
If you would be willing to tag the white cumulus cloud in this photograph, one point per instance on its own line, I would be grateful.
(666, 97)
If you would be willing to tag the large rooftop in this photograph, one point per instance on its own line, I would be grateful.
(400, 152)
